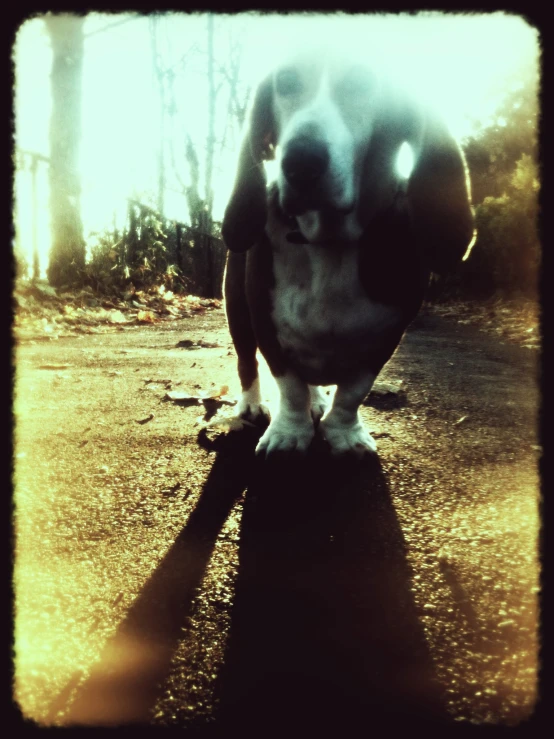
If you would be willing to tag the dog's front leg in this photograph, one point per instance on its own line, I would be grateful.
(342, 425)
(291, 428)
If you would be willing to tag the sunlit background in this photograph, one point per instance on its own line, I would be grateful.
(461, 63)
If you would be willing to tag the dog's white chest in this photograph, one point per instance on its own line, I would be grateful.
(323, 317)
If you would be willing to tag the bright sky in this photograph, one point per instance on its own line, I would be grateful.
(458, 62)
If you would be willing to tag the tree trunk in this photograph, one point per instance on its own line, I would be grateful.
(194, 201)
(210, 143)
(67, 257)
(159, 73)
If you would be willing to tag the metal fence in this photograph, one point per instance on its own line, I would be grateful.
(199, 256)
(32, 164)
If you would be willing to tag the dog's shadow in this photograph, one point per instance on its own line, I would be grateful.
(324, 631)
(125, 683)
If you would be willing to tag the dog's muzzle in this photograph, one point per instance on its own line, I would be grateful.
(304, 162)
(305, 167)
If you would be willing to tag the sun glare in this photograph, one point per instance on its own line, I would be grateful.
(405, 160)
(458, 63)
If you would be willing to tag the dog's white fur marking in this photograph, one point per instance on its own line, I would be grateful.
(333, 131)
(343, 121)
(342, 426)
(319, 402)
(292, 428)
(250, 405)
(324, 320)
(323, 317)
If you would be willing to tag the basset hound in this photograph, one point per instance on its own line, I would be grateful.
(328, 265)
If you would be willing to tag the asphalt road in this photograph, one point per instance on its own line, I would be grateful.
(164, 575)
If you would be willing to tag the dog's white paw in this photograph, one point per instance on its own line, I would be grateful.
(250, 407)
(286, 435)
(319, 403)
(253, 412)
(345, 438)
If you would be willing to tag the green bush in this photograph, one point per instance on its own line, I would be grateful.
(506, 255)
(139, 257)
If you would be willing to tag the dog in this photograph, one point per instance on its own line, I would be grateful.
(328, 265)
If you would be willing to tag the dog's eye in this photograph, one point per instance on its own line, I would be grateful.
(288, 82)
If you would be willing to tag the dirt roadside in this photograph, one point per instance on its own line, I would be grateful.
(151, 587)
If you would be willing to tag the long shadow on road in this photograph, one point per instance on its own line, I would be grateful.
(124, 684)
(324, 631)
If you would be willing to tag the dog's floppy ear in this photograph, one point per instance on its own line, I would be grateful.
(245, 215)
(439, 197)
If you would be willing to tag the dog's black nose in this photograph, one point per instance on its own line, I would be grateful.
(304, 161)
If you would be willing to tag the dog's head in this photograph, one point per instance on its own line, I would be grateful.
(335, 127)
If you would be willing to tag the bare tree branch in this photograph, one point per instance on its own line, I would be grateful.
(159, 74)
(107, 27)
(210, 142)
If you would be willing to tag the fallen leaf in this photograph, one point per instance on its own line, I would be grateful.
(212, 405)
(384, 388)
(54, 366)
(171, 490)
(219, 393)
(181, 397)
(210, 303)
(116, 316)
(146, 316)
(231, 423)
